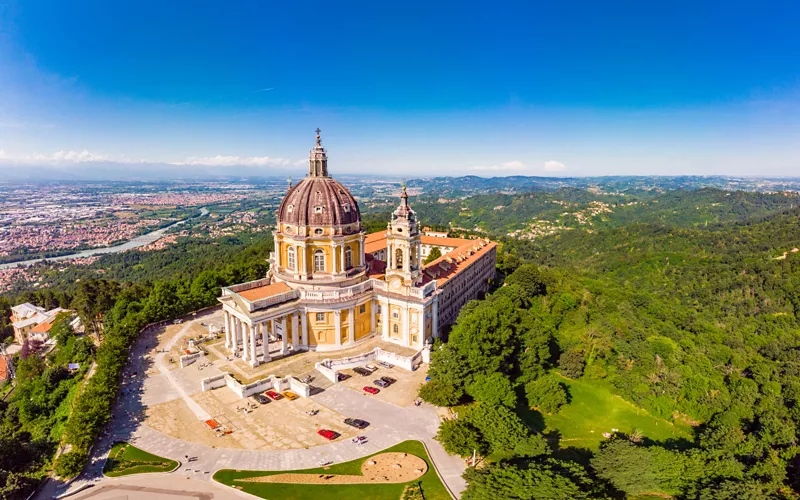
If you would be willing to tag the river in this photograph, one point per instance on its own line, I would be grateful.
(137, 242)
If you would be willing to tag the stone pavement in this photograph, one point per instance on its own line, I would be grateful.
(390, 425)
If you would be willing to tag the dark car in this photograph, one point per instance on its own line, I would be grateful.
(361, 371)
(381, 383)
(388, 380)
(261, 399)
(356, 422)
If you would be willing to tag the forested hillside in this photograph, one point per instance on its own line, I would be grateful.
(696, 325)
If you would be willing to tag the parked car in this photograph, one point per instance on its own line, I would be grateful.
(389, 380)
(385, 364)
(356, 422)
(273, 395)
(260, 399)
(381, 383)
(371, 390)
(371, 368)
(290, 395)
(328, 434)
(362, 372)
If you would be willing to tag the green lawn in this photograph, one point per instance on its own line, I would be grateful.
(125, 459)
(595, 409)
(432, 487)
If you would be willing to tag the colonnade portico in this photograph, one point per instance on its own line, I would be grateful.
(243, 335)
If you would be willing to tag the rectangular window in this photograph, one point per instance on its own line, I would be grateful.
(320, 317)
(395, 314)
(362, 309)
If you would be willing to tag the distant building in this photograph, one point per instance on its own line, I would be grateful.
(30, 321)
(331, 286)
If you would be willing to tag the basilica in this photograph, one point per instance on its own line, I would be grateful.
(331, 286)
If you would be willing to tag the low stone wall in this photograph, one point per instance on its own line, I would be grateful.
(188, 359)
(213, 382)
(328, 373)
(265, 384)
(329, 367)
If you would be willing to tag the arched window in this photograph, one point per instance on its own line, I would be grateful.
(290, 259)
(319, 261)
(395, 329)
(398, 259)
(348, 258)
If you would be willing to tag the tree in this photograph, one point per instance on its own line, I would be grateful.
(493, 389)
(530, 279)
(547, 394)
(440, 393)
(459, 437)
(435, 254)
(505, 432)
(572, 363)
(547, 479)
(70, 464)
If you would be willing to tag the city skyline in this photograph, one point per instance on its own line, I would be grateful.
(573, 90)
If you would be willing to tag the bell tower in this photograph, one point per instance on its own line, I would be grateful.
(403, 247)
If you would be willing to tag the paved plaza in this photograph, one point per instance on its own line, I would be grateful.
(162, 407)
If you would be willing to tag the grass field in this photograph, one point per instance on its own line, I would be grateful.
(595, 409)
(432, 487)
(125, 459)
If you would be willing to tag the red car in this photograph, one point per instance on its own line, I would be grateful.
(274, 395)
(328, 434)
(371, 390)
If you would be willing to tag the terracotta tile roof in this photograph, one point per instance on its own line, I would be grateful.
(376, 268)
(44, 326)
(3, 368)
(262, 292)
(377, 241)
(449, 265)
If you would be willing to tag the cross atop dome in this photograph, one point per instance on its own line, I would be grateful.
(318, 159)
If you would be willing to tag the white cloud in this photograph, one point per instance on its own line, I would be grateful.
(554, 166)
(229, 161)
(85, 156)
(60, 157)
(509, 165)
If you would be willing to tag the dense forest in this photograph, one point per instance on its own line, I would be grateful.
(697, 324)
(53, 408)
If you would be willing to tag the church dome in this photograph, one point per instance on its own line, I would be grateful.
(318, 200)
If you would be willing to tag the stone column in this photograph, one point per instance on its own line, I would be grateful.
(421, 328)
(435, 319)
(301, 264)
(337, 321)
(253, 354)
(304, 326)
(295, 332)
(245, 341)
(262, 327)
(372, 316)
(277, 247)
(351, 316)
(385, 319)
(342, 267)
(404, 324)
(284, 335)
(227, 330)
(234, 334)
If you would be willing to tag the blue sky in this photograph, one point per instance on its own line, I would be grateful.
(410, 89)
